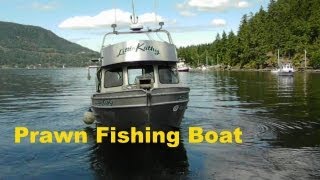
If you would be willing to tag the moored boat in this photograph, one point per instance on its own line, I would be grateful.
(182, 67)
(138, 83)
(283, 69)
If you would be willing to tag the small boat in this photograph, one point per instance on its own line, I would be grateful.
(182, 67)
(284, 69)
(204, 68)
(138, 83)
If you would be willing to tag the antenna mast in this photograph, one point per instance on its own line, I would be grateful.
(133, 17)
(155, 11)
(134, 20)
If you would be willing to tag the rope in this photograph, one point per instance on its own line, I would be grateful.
(150, 38)
(155, 11)
(115, 11)
(160, 37)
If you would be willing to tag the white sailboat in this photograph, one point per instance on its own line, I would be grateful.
(283, 69)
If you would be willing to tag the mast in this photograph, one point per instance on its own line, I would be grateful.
(278, 58)
(305, 58)
(206, 60)
(133, 17)
(217, 60)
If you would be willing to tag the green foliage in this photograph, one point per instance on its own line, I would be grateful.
(22, 45)
(289, 25)
(315, 62)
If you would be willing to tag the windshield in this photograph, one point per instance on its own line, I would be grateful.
(168, 75)
(135, 72)
(113, 78)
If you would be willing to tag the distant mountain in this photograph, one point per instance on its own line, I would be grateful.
(29, 46)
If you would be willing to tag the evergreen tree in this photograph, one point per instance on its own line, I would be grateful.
(292, 26)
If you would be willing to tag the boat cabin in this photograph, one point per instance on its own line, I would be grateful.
(287, 66)
(142, 64)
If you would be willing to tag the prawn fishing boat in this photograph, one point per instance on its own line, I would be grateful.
(138, 83)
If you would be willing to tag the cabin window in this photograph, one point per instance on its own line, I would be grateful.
(168, 75)
(135, 72)
(113, 78)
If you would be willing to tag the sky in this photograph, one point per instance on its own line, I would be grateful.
(86, 21)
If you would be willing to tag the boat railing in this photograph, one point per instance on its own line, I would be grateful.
(136, 31)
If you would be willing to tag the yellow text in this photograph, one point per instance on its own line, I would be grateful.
(196, 135)
(46, 137)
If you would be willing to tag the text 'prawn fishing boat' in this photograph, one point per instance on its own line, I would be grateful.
(138, 83)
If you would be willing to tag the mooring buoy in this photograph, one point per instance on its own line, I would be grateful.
(89, 117)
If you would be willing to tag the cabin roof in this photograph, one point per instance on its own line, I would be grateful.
(138, 50)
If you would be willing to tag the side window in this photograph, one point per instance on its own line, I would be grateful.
(135, 72)
(168, 75)
(113, 78)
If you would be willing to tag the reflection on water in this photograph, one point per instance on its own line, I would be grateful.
(141, 161)
(279, 117)
(285, 83)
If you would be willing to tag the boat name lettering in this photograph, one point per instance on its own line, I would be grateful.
(139, 47)
(106, 102)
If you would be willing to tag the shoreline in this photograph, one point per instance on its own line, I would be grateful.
(250, 70)
(191, 70)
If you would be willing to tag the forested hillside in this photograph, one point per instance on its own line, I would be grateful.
(22, 46)
(292, 26)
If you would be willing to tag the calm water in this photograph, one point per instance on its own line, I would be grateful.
(279, 117)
